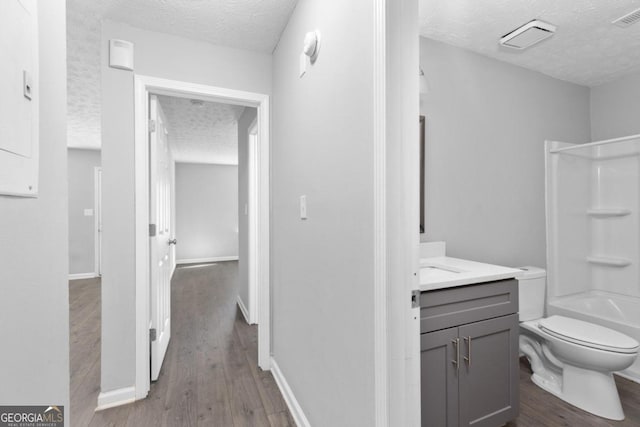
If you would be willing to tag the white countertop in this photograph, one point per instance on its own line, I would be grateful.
(445, 272)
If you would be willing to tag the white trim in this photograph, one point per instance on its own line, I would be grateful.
(203, 260)
(381, 365)
(253, 226)
(141, 159)
(97, 219)
(263, 242)
(243, 309)
(80, 276)
(118, 397)
(292, 403)
(143, 86)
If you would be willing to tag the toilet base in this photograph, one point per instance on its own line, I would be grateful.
(591, 391)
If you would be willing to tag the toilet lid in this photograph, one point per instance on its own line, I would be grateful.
(588, 334)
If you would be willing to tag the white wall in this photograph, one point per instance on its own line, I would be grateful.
(322, 268)
(486, 123)
(34, 307)
(159, 55)
(81, 168)
(247, 118)
(206, 211)
(615, 108)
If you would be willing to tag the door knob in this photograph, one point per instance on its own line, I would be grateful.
(173, 242)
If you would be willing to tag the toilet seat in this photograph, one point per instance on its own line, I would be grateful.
(588, 334)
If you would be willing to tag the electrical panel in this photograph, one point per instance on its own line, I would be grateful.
(19, 100)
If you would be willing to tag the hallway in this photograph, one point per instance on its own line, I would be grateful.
(210, 376)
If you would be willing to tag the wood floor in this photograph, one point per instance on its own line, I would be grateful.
(210, 376)
(541, 409)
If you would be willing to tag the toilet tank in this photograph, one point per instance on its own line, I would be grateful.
(531, 293)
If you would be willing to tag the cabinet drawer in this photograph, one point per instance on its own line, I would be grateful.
(445, 308)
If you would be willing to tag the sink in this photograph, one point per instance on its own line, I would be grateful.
(443, 268)
(440, 272)
(433, 271)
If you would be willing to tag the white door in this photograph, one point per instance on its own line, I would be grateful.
(160, 235)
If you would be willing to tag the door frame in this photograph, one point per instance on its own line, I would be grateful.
(396, 104)
(253, 173)
(97, 220)
(144, 85)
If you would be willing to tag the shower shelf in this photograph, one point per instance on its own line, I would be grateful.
(609, 261)
(607, 212)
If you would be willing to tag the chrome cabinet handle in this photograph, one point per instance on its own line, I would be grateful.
(468, 358)
(173, 242)
(456, 343)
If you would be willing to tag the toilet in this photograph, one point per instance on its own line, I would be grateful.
(571, 359)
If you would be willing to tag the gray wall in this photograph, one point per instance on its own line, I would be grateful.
(159, 55)
(486, 123)
(322, 267)
(247, 118)
(206, 211)
(615, 108)
(81, 168)
(34, 307)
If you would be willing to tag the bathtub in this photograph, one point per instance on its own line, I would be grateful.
(614, 311)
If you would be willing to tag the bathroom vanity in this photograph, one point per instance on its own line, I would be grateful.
(469, 343)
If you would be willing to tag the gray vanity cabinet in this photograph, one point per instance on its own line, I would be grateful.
(469, 367)
(439, 379)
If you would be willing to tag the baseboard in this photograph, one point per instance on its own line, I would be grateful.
(243, 309)
(294, 407)
(79, 276)
(203, 260)
(117, 397)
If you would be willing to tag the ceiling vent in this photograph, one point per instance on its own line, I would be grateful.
(531, 33)
(628, 19)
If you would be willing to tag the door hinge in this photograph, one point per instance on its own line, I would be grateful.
(152, 230)
(152, 125)
(152, 334)
(415, 299)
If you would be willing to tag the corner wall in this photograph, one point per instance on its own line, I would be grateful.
(486, 123)
(322, 267)
(34, 307)
(157, 55)
(615, 108)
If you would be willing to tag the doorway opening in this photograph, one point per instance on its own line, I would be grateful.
(145, 87)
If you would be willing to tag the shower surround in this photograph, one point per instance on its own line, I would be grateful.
(593, 234)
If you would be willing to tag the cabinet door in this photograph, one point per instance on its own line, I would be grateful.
(439, 378)
(489, 393)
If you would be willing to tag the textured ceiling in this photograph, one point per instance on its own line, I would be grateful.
(206, 133)
(83, 79)
(586, 49)
(245, 24)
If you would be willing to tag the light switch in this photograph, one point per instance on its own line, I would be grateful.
(303, 207)
(88, 212)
